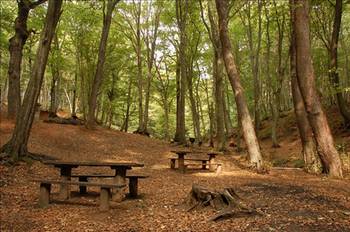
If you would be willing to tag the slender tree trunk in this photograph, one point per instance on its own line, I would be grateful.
(219, 107)
(194, 110)
(333, 54)
(128, 104)
(107, 18)
(151, 45)
(254, 60)
(234, 77)
(227, 120)
(309, 152)
(74, 101)
(55, 84)
(17, 146)
(16, 52)
(181, 14)
(306, 78)
(218, 68)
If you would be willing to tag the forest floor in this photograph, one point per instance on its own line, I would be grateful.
(290, 199)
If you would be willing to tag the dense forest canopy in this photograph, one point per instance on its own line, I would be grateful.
(164, 54)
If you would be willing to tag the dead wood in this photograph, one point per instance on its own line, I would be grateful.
(226, 202)
(58, 120)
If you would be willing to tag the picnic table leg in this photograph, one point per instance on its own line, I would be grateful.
(181, 162)
(83, 189)
(120, 174)
(133, 182)
(204, 164)
(65, 176)
(211, 162)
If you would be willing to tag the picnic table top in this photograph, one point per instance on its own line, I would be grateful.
(93, 163)
(187, 151)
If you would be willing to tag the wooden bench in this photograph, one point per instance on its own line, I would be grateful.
(203, 165)
(133, 182)
(105, 191)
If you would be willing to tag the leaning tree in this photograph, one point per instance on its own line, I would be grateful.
(17, 42)
(17, 145)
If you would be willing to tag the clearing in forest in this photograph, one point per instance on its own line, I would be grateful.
(291, 200)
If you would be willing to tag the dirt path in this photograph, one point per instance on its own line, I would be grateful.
(291, 200)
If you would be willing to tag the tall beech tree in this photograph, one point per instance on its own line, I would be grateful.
(17, 145)
(182, 17)
(309, 152)
(234, 77)
(306, 79)
(329, 35)
(333, 63)
(17, 43)
(213, 32)
(107, 19)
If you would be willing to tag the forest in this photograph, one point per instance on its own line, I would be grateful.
(262, 84)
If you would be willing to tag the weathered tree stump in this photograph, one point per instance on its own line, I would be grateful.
(226, 202)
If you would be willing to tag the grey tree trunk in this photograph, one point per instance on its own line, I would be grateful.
(306, 78)
(17, 145)
(234, 77)
(309, 152)
(181, 15)
(16, 52)
(333, 54)
(55, 84)
(107, 18)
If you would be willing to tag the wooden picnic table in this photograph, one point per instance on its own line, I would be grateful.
(182, 153)
(67, 166)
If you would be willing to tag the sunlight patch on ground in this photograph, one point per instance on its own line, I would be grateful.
(159, 166)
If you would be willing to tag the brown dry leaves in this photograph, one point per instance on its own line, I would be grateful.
(291, 200)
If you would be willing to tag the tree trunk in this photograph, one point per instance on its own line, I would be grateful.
(107, 18)
(55, 84)
(234, 77)
(125, 126)
(17, 146)
(333, 54)
(16, 52)
(194, 110)
(254, 60)
(306, 78)
(218, 83)
(309, 152)
(74, 101)
(181, 14)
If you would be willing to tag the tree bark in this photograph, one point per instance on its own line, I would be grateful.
(55, 84)
(334, 72)
(150, 41)
(217, 79)
(309, 152)
(181, 14)
(16, 52)
(306, 78)
(194, 110)
(74, 101)
(107, 18)
(17, 146)
(234, 77)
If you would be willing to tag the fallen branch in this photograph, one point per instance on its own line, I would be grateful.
(58, 120)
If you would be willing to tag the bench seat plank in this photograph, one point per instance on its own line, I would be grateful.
(80, 183)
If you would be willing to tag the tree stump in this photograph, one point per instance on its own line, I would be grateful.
(226, 202)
